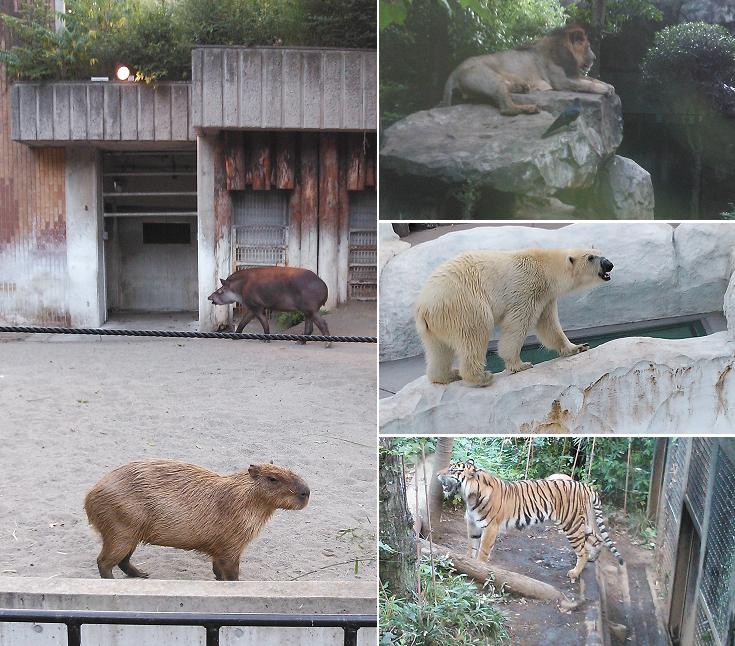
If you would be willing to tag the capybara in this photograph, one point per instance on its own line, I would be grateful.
(284, 289)
(170, 503)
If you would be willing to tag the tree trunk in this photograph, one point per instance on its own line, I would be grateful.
(397, 567)
(515, 583)
(440, 460)
(598, 24)
(697, 170)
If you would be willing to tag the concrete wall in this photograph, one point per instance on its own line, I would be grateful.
(292, 88)
(47, 113)
(84, 228)
(294, 597)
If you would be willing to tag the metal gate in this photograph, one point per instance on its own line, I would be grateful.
(362, 281)
(260, 228)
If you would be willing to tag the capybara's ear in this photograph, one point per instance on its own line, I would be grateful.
(223, 281)
(254, 470)
(571, 260)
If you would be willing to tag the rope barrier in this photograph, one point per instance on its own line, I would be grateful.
(249, 336)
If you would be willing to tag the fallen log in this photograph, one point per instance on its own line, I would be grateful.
(513, 582)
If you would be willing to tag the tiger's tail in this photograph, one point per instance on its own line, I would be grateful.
(597, 506)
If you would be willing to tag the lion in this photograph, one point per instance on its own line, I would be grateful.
(558, 61)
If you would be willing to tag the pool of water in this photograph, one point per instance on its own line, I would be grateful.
(536, 353)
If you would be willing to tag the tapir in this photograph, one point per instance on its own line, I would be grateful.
(284, 289)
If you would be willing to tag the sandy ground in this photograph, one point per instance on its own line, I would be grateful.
(73, 408)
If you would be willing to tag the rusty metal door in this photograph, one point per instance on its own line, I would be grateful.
(362, 281)
(259, 229)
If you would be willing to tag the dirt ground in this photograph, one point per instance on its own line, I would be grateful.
(73, 408)
(544, 553)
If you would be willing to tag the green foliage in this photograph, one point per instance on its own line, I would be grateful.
(155, 37)
(83, 48)
(238, 22)
(287, 320)
(506, 457)
(692, 65)
(462, 614)
(422, 41)
(332, 23)
(617, 13)
(152, 45)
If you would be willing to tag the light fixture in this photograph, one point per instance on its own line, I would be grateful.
(122, 72)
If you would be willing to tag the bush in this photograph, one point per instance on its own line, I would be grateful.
(463, 614)
(692, 65)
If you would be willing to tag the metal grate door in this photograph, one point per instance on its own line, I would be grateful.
(699, 468)
(362, 278)
(719, 559)
(260, 228)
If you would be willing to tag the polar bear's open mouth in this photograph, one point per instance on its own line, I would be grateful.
(604, 275)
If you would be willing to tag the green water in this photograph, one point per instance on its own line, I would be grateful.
(537, 354)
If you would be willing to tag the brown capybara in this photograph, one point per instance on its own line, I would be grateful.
(169, 503)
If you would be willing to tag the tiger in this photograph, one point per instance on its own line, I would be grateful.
(493, 504)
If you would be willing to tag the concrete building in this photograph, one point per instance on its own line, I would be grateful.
(120, 196)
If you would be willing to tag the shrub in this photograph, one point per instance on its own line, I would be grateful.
(463, 614)
(693, 65)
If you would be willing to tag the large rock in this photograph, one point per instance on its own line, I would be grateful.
(633, 386)
(659, 272)
(475, 143)
(626, 190)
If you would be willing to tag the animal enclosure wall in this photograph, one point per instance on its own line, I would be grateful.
(696, 540)
(304, 200)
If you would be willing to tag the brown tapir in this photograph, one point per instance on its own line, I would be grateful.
(285, 289)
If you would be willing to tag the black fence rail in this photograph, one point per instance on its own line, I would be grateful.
(248, 336)
(211, 622)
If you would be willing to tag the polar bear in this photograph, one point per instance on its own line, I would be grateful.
(467, 296)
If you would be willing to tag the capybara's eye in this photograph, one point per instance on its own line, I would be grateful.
(590, 258)
(272, 479)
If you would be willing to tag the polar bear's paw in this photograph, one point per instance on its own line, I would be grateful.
(520, 366)
(446, 378)
(483, 379)
(575, 349)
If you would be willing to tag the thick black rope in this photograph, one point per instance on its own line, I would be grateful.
(189, 335)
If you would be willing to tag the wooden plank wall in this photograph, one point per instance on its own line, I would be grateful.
(320, 169)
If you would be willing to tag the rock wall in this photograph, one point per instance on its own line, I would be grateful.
(634, 386)
(660, 271)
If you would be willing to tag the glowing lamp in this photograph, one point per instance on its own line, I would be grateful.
(122, 72)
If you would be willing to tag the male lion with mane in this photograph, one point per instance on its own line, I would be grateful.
(558, 61)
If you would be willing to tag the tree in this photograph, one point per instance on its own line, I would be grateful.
(398, 556)
(441, 460)
(690, 71)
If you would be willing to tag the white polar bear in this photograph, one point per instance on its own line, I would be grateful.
(467, 296)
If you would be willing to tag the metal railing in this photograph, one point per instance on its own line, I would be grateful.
(211, 622)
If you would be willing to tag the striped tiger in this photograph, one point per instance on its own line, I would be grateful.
(493, 504)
